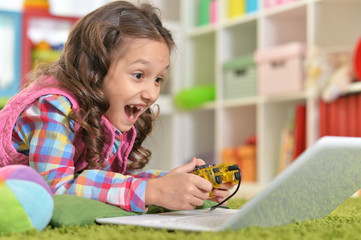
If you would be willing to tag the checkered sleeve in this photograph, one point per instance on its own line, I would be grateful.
(44, 133)
(147, 173)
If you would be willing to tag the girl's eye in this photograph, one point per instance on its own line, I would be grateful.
(159, 80)
(138, 75)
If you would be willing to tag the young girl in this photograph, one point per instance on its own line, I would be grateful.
(81, 122)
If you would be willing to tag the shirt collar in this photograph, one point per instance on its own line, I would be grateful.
(118, 134)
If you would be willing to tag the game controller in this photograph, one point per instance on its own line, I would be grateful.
(218, 174)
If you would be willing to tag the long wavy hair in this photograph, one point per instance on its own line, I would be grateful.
(92, 45)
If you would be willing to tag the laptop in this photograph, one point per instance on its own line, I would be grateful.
(317, 182)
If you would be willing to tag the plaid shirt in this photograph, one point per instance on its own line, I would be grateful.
(44, 133)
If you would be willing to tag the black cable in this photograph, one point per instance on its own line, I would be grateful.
(225, 200)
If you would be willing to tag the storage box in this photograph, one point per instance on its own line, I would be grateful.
(240, 78)
(280, 69)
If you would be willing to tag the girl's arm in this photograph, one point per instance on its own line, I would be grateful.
(43, 133)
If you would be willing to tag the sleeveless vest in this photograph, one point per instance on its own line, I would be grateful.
(17, 104)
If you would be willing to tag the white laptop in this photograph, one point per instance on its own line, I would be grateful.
(319, 180)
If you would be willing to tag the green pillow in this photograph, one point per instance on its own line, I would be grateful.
(70, 210)
(76, 210)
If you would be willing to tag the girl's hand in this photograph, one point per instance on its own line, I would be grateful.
(179, 189)
(222, 192)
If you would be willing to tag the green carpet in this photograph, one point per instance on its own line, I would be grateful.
(343, 223)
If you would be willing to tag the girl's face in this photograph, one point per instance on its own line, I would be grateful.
(133, 81)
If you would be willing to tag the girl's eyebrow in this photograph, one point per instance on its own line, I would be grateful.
(140, 60)
(144, 62)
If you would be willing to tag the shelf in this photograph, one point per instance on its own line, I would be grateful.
(230, 103)
(354, 87)
(199, 31)
(285, 97)
(239, 20)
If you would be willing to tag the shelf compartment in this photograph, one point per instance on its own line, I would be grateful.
(238, 124)
(238, 40)
(275, 116)
(200, 131)
(201, 65)
(36, 25)
(331, 31)
(285, 27)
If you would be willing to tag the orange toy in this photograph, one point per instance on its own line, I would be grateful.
(38, 4)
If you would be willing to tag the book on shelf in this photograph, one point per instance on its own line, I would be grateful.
(352, 106)
(323, 121)
(299, 131)
(341, 116)
(293, 137)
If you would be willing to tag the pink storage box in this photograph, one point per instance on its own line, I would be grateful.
(280, 69)
(273, 3)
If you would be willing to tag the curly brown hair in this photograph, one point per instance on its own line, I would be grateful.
(92, 45)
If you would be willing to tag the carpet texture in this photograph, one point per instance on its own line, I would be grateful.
(343, 223)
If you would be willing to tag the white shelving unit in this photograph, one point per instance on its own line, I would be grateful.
(203, 133)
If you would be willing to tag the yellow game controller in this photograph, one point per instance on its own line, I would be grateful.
(218, 174)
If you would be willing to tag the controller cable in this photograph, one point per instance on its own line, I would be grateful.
(225, 200)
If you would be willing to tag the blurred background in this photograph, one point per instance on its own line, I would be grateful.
(253, 82)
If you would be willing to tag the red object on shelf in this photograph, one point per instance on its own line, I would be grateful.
(323, 119)
(300, 130)
(352, 115)
(357, 60)
(29, 14)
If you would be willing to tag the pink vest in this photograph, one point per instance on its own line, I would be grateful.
(10, 113)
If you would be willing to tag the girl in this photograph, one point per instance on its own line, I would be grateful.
(81, 122)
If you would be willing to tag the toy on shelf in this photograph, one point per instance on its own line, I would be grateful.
(194, 97)
(43, 52)
(245, 156)
(340, 79)
(318, 70)
(38, 4)
(329, 73)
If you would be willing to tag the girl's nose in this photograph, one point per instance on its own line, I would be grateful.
(150, 93)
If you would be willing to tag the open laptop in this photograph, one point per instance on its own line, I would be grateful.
(319, 180)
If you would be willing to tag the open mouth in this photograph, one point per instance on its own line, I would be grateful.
(132, 112)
